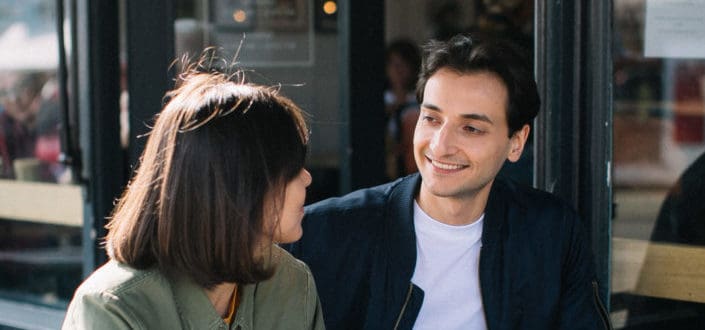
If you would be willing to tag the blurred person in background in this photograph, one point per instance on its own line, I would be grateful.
(21, 103)
(403, 62)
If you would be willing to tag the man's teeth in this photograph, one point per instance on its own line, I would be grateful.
(446, 166)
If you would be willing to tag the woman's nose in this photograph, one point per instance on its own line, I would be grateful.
(307, 177)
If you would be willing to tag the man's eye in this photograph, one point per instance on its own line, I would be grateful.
(429, 119)
(472, 129)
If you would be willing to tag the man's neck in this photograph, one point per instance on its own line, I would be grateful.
(454, 211)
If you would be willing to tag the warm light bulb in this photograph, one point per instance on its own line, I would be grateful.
(239, 16)
(330, 7)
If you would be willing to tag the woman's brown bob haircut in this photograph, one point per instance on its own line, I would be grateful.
(218, 149)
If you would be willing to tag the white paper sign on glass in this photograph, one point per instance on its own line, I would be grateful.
(675, 28)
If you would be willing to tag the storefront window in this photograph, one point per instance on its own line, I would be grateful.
(289, 44)
(40, 210)
(658, 262)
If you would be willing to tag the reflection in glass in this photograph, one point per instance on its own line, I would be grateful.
(40, 213)
(292, 45)
(658, 264)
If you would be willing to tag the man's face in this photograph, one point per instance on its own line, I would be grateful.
(462, 138)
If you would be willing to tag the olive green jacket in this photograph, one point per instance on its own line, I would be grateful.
(120, 297)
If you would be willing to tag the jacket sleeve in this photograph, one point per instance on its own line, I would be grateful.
(97, 311)
(581, 306)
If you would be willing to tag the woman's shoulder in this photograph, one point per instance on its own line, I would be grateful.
(291, 277)
(121, 296)
(288, 299)
(121, 286)
(116, 278)
(288, 267)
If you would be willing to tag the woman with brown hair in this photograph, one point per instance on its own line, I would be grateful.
(191, 241)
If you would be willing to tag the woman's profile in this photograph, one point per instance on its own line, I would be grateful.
(192, 240)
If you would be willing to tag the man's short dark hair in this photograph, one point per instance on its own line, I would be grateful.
(508, 62)
(219, 149)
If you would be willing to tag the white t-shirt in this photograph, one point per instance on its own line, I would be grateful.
(447, 263)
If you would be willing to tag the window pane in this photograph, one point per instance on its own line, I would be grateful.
(291, 44)
(658, 270)
(40, 211)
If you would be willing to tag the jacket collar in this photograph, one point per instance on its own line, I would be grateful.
(400, 221)
(245, 312)
(400, 218)
(505, 204)
(398, 253)
(244, 319)
(195, 310)
(491, 272)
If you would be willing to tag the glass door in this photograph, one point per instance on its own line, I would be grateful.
(41, 209)
(290, 45)
(658, 260)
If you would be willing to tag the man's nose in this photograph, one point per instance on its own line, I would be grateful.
(443, 141)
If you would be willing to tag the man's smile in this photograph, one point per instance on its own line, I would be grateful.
(446, 166)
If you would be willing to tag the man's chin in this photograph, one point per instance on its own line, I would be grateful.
(446, 190)
(439, 189)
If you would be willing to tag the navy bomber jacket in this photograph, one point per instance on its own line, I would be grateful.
(536, 268)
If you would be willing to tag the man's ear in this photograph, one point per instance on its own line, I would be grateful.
(517, 142)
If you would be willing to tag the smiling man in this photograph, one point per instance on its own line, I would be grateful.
(455, 247)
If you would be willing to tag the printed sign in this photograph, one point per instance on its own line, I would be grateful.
(675, 28)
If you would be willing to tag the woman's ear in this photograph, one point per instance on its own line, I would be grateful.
(517, 142)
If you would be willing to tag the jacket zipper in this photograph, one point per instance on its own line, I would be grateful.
(403, 307)
(600, 307)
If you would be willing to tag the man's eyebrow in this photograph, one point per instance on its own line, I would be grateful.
(473, 116)
(430, 106)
